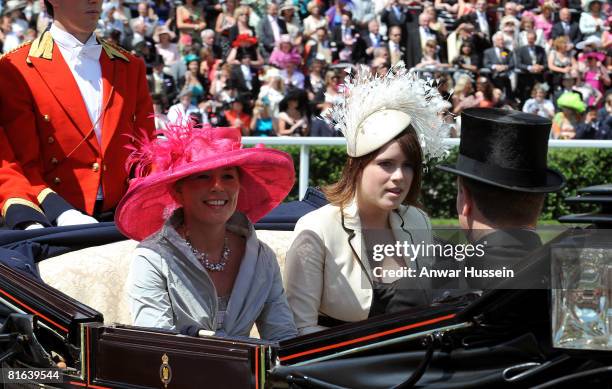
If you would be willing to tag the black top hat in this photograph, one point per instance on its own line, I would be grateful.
(507, 149)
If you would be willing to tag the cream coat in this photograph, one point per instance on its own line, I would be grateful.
(324, 271)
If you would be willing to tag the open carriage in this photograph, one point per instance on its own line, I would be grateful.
(457, 344)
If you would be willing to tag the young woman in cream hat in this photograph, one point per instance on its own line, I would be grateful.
(390, 123)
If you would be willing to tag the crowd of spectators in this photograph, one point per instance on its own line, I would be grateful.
(272, 67)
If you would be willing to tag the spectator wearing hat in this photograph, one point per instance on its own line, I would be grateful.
(592, 20)
(292, 21)
(314, 20)
(291, 75)
(590, 95)
(18, 23)
(245, 60)
(509, 27)
(538, 104)
(166, 48)
(184, 111)
(566, 27)
(294, 117)
(566, 122)
(531, 63)
(71, 102)
(595, 73)
(499, 60)
(271, 28)
(282, 50)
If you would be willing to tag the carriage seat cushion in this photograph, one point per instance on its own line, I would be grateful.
(96, 276)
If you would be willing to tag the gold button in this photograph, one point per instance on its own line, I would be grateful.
(50, 140)
(47, 118)
(57, 180)
(54, 161)
(95, 167)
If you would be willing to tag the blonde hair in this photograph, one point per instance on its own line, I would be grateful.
(242, 9)
(560, 40)
(461, 84)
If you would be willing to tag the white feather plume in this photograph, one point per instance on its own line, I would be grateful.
(365, 94)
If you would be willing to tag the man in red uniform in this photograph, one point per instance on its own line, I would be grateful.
(69, 105)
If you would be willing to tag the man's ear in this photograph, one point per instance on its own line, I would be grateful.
(465, 201)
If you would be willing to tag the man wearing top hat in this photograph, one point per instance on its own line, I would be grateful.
(502, 181)
(69, 105)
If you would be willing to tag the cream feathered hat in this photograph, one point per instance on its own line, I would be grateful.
(374, 109)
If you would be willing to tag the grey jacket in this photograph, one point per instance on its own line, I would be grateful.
(169, 288)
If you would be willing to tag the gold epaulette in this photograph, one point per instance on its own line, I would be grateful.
(15, 49)
(42, 47)
(113, 51)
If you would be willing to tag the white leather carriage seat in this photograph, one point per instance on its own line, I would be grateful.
(96, 276)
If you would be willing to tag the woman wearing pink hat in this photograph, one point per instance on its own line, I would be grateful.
(199, 264)
(332, 275)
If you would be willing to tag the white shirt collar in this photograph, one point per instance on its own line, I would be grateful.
(67, 40)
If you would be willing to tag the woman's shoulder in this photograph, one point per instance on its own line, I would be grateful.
(319, 218)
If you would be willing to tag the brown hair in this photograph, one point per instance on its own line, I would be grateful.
(519, 209)
(342, 192)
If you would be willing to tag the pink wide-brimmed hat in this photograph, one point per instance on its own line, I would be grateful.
(266, 175)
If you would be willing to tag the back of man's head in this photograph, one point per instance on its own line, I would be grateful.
(503, 208)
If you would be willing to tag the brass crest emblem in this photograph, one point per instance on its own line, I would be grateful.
(165, 371)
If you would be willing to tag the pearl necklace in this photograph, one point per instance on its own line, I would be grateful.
(203, 257)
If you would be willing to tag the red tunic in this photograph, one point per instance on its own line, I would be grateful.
(48, 129)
